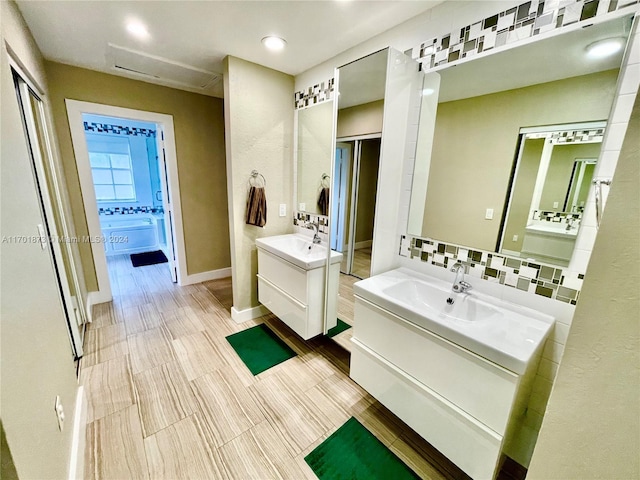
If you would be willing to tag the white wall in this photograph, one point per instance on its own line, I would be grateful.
(37, 361)
(258, 105)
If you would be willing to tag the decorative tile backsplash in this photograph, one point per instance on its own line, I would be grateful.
(300, 218)
(129, 210)
(556, 217)
(316, 94)
(118, 129)
(511, 25)
(547, 281)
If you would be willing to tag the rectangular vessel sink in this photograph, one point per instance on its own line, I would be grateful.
(505, 333)
(299, 250)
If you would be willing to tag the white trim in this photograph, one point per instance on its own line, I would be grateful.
(94, 298)
(75, 109)
(240, 316)
(78, 438)
(359, 137)
(363, 244)
(206, 276)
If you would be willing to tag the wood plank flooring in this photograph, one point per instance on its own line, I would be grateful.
(169, 398)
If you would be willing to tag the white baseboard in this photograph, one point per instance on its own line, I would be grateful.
(78, 439)
(364, 244)
(240, 316)
(94, 298)
(206, 276)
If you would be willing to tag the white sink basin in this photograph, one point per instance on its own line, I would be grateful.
(550, 228)
(502, 332)
(299, 250)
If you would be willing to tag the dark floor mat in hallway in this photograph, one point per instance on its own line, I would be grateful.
(148, 258)
(260, 348)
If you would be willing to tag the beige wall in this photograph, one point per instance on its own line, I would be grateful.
(259, 135)
(199, 131)
(37, 362)
(475, 145)
(592, 425)
(361, 119)
(315, 143)
(367, 187)
(523, 193)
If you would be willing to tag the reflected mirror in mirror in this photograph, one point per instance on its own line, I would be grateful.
(483, 106)
(553, 174)
(315, 144)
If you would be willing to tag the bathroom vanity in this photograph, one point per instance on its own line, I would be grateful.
(549, 242)
(459, 374)
(291, 282)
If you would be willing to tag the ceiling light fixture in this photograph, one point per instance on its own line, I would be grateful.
(604, 48)
(274, 43)
(137, 29)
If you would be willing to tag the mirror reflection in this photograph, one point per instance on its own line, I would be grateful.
(554, 169)
(315, 142)
(483, 107)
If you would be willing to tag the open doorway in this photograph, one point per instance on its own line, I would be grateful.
(128, 175)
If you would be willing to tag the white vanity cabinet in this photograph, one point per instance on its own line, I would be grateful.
(295, 292)
(462, 403)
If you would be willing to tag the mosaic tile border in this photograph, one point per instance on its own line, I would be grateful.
(322, 220)
(509, 26)
(129, 210)
(538, 279)
(556, 217)
(118, 129)
(571, 136)
(320, 92)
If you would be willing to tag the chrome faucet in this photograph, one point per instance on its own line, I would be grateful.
(570, 221)
(459, 285)
(314, 226)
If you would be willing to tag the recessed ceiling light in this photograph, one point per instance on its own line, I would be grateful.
(137, 29)
(274, 43)
(604, 48)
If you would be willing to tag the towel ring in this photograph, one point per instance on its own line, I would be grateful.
(254, 180)
(324, 182)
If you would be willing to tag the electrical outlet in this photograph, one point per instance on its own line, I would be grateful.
(283, 209)
(302, 207)
(489, 214)
(59, 409)
(556, 204)
(515, 238)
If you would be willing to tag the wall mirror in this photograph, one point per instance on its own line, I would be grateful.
(315, 145)
(486, 108)
(361, 86)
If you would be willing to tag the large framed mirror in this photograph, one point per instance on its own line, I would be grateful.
(516, 139)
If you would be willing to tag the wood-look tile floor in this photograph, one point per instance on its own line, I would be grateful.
(361, 266)
(169, 398)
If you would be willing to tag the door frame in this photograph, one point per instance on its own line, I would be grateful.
(75, 109)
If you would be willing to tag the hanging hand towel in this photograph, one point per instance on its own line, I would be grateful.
(257, 207)
(323, 201)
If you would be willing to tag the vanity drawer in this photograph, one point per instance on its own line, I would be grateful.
(461, 438)
(287, 309)
(479, 387)
(283, 275)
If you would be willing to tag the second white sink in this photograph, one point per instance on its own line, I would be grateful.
(299, 250)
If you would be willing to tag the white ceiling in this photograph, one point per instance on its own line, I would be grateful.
(200, 34)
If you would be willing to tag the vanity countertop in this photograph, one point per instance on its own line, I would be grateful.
(552, 228)
(505, 333)
(299, 250)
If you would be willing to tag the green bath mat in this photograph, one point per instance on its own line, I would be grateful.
(339, 328)
(353, 453)
(259, 348)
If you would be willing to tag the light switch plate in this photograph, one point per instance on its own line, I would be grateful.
(283, 209)
(555, 204)
(515, 238)
(302, 207)
(489, 214)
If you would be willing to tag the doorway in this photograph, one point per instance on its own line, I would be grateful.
(353, 215)
(128, 174)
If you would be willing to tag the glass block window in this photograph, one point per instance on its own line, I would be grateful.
(112, 177)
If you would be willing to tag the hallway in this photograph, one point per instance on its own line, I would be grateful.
(169, 398)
